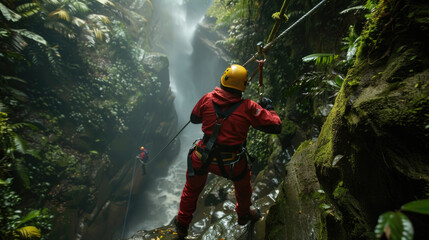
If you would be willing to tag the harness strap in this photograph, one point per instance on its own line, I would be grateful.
(207, 154)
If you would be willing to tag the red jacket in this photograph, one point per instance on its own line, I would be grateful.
(234, 130)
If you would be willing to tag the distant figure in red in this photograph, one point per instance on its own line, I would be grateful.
(144, 158)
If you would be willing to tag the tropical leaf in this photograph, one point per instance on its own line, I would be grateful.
(28, 232)
(339, 80)
(105, 2)
(60, 13)
(9, 14)
(395, 226)
(31, 215)
(28, 9)
(419, 206)
(13, 78)
(31, 35)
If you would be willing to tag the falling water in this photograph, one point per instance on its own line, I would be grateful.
(177, 23)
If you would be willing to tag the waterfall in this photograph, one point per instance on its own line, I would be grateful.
(176, 21)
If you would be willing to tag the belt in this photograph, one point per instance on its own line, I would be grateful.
(227, 157)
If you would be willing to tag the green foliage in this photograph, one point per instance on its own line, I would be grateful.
(419, 206)
(9, 14)
(258, 146)
(396, 225)
(320, 59)
(11, 218)
(29, 232)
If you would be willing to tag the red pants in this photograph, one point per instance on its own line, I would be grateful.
(194, 185)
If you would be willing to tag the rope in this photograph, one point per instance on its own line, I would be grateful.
(129, 199)
(170, 141)
(281, 35)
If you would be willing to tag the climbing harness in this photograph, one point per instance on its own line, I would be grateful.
(224, 155)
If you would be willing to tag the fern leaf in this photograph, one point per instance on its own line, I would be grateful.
(61, 13)
(31, 35)
(9, 14)
(29, 232)
(23, 174)
(18, 143)
(315, 57)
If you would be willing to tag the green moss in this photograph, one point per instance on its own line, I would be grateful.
(340, 192)
(303, 146)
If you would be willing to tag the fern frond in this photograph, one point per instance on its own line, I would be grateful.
(22, 173)
(315, 56)
(28, 232)
(9, 14)
(28, 9)
(18, 143)
(61, 13)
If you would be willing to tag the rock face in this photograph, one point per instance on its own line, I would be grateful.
(296, 211)
(114, 187)
(206, 77)
(372, 153)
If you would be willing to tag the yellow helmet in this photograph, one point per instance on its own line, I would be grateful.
(235, 76)
(141, 148)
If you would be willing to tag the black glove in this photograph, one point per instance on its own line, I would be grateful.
(266, 103)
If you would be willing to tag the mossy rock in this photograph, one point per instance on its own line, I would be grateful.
(77, 196)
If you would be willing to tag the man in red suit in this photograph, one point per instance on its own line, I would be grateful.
(226, 119)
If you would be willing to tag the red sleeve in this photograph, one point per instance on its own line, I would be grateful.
(196, 116)
(265, 120)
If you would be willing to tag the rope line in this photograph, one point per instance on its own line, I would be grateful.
(281, 35)
(170, 141)
(129, 199)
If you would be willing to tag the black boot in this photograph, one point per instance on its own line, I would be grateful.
(181, 229)
(253, 216)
